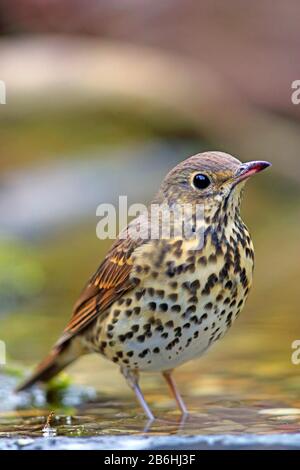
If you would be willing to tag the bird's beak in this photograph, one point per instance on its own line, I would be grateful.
(248, 169)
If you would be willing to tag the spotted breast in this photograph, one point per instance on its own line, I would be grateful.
(184, 300)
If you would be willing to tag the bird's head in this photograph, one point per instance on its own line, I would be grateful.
(214, 179)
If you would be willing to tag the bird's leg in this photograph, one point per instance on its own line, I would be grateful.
(172, 385)
(132, 379)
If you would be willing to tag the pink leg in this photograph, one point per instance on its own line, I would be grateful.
(172, 385)
(132, 380)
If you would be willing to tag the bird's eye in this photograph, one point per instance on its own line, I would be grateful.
(201, 181)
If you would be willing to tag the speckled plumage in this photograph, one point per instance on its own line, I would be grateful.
(174, 315)
(155, 304)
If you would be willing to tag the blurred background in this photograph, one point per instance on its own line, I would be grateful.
(103, 97)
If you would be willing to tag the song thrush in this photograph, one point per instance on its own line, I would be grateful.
(154, 304)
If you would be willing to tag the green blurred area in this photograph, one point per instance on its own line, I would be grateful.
(41, 137)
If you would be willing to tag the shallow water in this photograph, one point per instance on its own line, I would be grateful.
(221, 407)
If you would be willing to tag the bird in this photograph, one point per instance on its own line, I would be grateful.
(157, 302)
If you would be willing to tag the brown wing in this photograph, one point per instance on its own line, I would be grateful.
(109, 283)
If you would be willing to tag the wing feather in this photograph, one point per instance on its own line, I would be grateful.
(108, 284)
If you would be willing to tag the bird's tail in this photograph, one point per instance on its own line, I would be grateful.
(60, 357)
